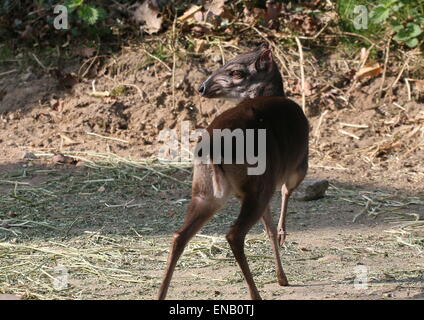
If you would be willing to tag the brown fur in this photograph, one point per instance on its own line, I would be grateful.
(286, 156)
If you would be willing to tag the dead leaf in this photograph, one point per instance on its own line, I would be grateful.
(251, 16)
(28, 33)
(189, 12)
(199, 30)
(307, 24)
(308, 88)
(312, 4)
(273, 10)
(369, 71)
(65, 81)
(149, 15)
(215, 6)
(198, 16)
(67, 140)
(199, 45)
(85, 52)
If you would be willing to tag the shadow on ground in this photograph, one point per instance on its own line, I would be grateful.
(41, 201)
(109, 228)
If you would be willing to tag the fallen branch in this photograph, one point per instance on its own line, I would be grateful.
(302, 73)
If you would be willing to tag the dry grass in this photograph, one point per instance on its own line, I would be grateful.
(109, 224)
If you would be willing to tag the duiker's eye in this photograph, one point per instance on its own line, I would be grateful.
(237, 74)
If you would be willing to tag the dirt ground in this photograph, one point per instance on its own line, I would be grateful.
(109, 220)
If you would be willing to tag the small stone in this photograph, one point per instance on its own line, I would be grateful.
(160, 124)
(54, 104)
(12, 214)
(311, 189)
(60, 158)
(216, 58)
(29, 156)
(28, 76)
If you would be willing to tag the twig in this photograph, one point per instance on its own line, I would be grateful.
(96, 93)
(92, 60)
(399, 106)
(8, 72)
(349, 134)
(317, 130)
(329, 167)
(399, 75)
(39, 62)
(302, 72)
(361, 126)
(222, 52)
(273, 45)
(173, 61)
(359, 36)
(386, 60)
(363, 62)
(134, 86)
(408, 88)
(157, 59)
(316, 35)
(105, 137)
(9, 230)
(15, 182)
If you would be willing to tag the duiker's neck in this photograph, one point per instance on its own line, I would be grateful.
(274, 87)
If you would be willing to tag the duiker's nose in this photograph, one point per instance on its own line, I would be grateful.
(202, 89)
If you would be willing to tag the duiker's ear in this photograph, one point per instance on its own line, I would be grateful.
(264, 61)
(263, 46)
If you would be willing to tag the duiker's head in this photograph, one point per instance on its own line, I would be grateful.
(248, 75)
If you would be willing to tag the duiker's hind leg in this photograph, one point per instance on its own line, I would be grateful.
(252, 209)
(272, 234)
(199, 212)
(285, 195)
(292, 183)
(203, 205)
